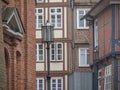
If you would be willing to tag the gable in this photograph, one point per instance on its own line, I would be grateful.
(11, 19)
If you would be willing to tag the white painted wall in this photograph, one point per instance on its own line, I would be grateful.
(65, 48)
(58, 33)
(56, 66)
(38, 34)
(39, 66)
(66, 82)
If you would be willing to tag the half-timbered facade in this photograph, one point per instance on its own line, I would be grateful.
(81, 78)
(105, 45)
(56, 12)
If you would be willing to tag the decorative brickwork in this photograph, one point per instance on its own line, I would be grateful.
(3, 80)
(17, 45)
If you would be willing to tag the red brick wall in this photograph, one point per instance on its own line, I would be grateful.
(104, 37)
(104, 26)
(20, 58)
(29, 23)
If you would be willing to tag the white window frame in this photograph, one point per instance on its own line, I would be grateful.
(99, 79)
(39, 1)
(78, 18)
(56, 13)
(83, 65)
(37, 15)
(57, 78)
(96, 32)
(37, 52)
(37, 83)
(56, 51)
(108, 75)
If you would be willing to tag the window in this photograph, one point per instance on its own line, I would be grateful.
(96, 33)
(39, 1)
(99, 80)
(56, 51)
(56, 84)
(39, 18)
(56, 17)
(39, 84)
(83, 57)
(39, 52)
(107, 79)
(82, 24)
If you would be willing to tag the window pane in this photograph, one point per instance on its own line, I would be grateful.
(53, 20)
(58, 10)
(52, 52)
(39, 10)
(59, 20)
(82, 59)
(82, 51)
(40, 57)
(52, 10)
(59, 51)
(59, 57)
(88, 59)
(81, 12)
(81, 22)
(59, 46)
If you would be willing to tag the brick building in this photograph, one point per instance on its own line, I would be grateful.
(17, 45)
(105, 44)
(69, 54)
(56, 12)
(81, 76)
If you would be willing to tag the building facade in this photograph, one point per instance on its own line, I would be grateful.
(17, 45)
(81, 76)
(55, 12)
(105, 47)
(69, 54)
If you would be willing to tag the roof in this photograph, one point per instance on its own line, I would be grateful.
(101, 5)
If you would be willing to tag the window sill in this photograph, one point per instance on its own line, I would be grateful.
(84, 66)
(83, 28)
(39, 61)
(56, 61)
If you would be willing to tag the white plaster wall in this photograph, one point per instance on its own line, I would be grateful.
(58, 34)
(65, 22)
(39, 66)
(55, 0)
(66, 82)
(56, 66)
(38, 34)
(46, 1)
(65, 48)
(65, 0)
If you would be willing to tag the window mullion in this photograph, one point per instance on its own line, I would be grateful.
(84, 19)
(56, 53)
(56, 84)
(37, 20)
(37, 52)
(85, 56)
(55, 19)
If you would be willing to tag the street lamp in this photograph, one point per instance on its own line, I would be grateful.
(47, 37)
